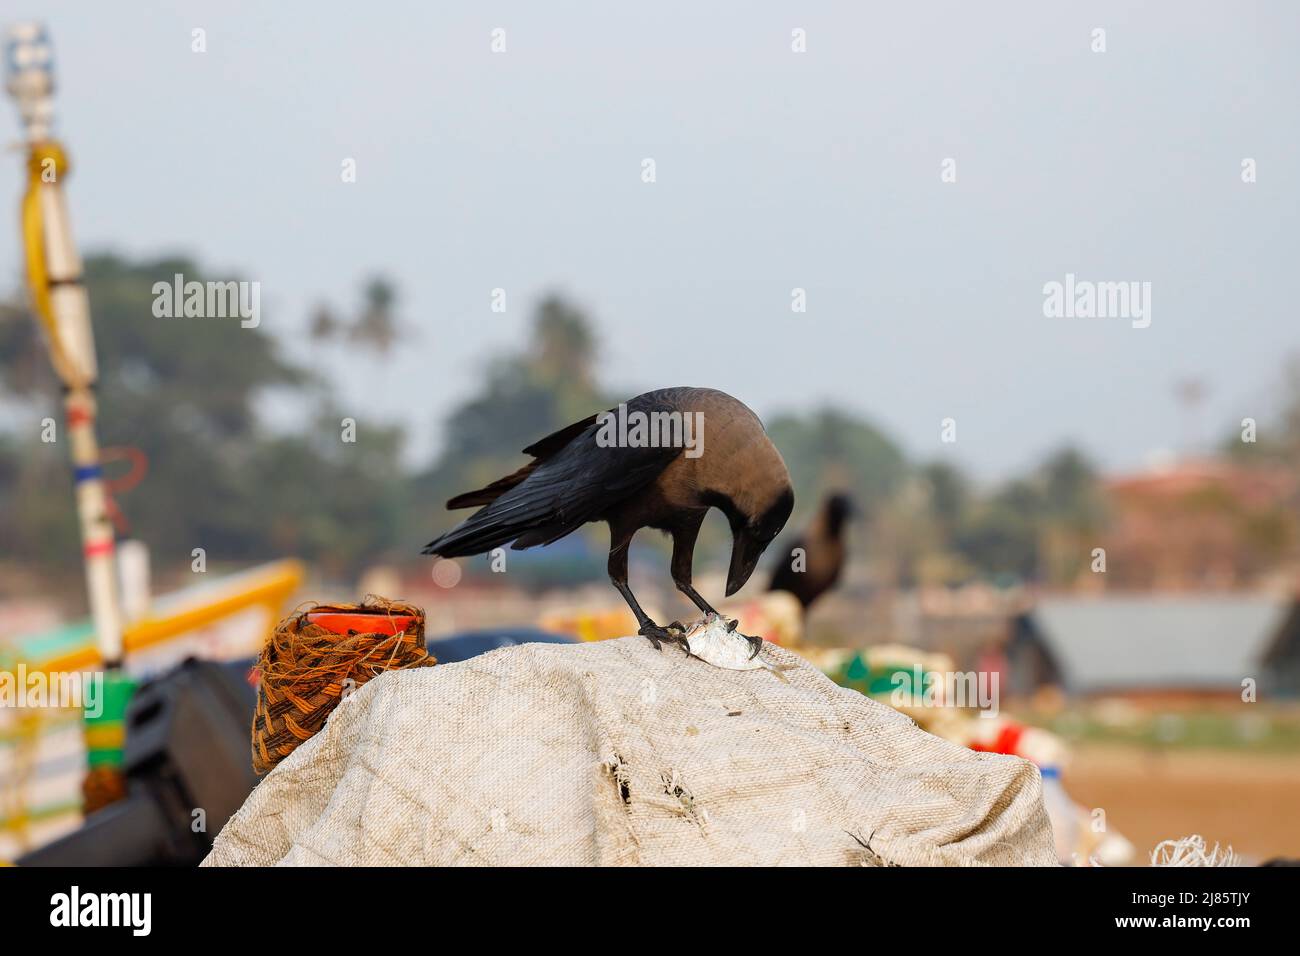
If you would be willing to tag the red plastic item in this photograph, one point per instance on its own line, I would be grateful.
(1006, 742)
(344, 622)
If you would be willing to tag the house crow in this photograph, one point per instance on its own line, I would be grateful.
(659, 460)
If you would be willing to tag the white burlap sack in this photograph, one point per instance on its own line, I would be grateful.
(615, 753)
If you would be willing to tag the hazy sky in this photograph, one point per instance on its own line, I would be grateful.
(775, 170)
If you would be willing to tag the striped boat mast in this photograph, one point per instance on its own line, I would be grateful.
(55, 281)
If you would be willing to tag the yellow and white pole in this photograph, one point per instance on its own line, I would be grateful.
(54, 275)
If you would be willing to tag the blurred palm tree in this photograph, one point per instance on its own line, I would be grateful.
(377, 327)
(564, 345)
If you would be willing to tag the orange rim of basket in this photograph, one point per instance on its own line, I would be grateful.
(344, 622)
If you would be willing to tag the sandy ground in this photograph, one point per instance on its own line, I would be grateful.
(1251, 802)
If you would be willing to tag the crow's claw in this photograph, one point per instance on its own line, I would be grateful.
(654, 634)
(755, 644)
(680, 636)
(673, 633)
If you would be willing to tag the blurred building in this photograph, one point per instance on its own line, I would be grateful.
(1199, 525)
(1157, 645)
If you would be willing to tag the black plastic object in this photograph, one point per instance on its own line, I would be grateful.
(186, 751)
(461, 647)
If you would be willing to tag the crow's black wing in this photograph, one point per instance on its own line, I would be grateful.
(574, 485)
(545, 447)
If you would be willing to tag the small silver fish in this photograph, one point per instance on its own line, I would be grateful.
(713, 643)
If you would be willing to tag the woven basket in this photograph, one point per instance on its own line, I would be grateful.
(307, 669)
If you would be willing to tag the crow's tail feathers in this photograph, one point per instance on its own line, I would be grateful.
(465, 539)
(488, 529)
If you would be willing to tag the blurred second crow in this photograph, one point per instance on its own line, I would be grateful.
(823, 544)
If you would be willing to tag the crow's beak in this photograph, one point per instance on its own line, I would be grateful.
(745, 552)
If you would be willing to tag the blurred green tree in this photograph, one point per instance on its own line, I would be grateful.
(189, 393)
(545, 386)
(833, 450)
(1000, 537)
(949, 494)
